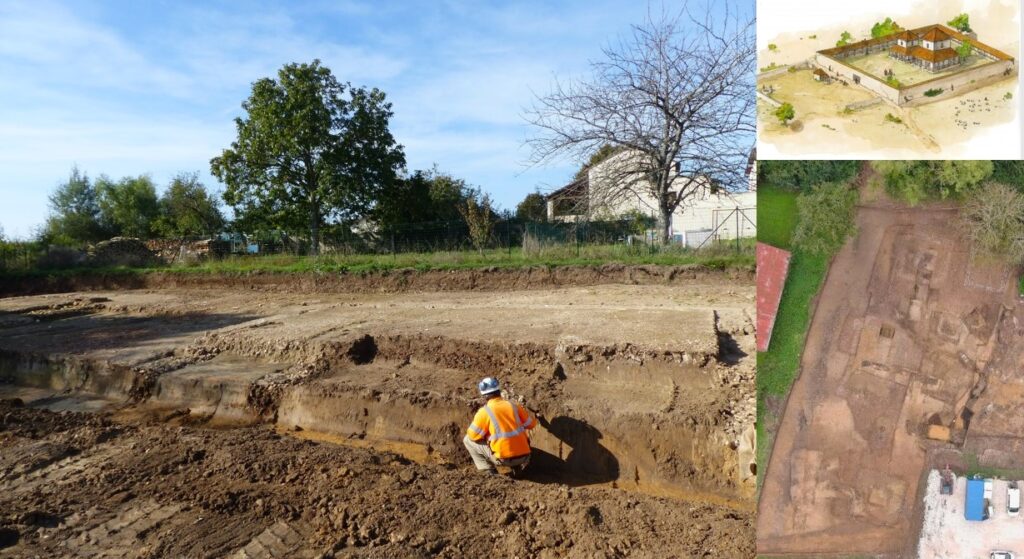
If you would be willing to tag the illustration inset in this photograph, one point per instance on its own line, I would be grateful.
(939, 88)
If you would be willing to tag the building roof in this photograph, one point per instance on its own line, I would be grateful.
(974, 508)
(904, 51)
(935, 30)
(906, 35)
(820, 72)
(574, 189)
(772, 269)
(940, 55)
(935, 35)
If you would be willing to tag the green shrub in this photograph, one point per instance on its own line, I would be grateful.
(802, 175)
(933, 92)
(889, 117)
(1009, 172)
(773, 47)
(825, 218)
(916, 181)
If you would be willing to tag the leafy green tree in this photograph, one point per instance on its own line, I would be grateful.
(532, 208)
(992, 217)
(423, 196)
(305, 149)
(187, 208)
(887, 27)
(74, 213)
(844, 39)
(964, 50)
(961, 23)
(825, 218)
(602, 153)
(1009, 172)
(479, 217)
(128, 207)
(917, 181)
(785, 113)
(803, 175)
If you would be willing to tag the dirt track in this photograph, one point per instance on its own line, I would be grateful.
(645, 392)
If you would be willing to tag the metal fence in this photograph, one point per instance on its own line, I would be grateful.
(631, 235)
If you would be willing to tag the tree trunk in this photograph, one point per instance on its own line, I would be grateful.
(314, 228)
(664, 224)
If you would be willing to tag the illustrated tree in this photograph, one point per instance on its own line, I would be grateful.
(187, 208)
(676, 97)
(128, 206)
(883, 28)
(480, 219)
(844, 39)
(992, 217)
(785, 113)
(309, 147)
(74, 213)
(964, 50)
(532, 208)
(961, 23)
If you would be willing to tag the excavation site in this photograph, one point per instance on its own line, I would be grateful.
(912, 365)
(287, 416)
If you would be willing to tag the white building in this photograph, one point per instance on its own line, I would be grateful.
(707, 213)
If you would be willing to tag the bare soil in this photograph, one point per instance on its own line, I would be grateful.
(484, 279)
(910, 330)
(84, 485)
(333, 421)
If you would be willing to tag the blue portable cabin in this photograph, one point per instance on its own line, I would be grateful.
(975, 506)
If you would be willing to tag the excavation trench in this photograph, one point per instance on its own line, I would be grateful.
(614, 416)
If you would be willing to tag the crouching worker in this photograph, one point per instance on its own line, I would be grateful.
(498, 435)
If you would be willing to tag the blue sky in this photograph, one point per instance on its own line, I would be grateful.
(124, 88)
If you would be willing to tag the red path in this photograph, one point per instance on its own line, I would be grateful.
(772, 268)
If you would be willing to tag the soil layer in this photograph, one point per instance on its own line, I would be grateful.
(644, 395)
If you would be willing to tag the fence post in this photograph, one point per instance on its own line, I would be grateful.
(737, 229)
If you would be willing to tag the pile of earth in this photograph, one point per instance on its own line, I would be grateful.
(335, 501)
(122, 251)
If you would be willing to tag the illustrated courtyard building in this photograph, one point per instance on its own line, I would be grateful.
(932, 50)
(915, 66)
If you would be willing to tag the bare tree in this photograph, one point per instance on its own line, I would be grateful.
(675, 97)
(992, 218)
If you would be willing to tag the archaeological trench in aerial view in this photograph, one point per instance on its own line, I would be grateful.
(892, 388)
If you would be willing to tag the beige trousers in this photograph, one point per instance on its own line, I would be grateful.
(484, 459)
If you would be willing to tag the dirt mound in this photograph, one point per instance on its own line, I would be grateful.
(388, 281)
(159, 490)
(122, 251)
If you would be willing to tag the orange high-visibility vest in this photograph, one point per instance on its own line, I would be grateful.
(504, 425)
